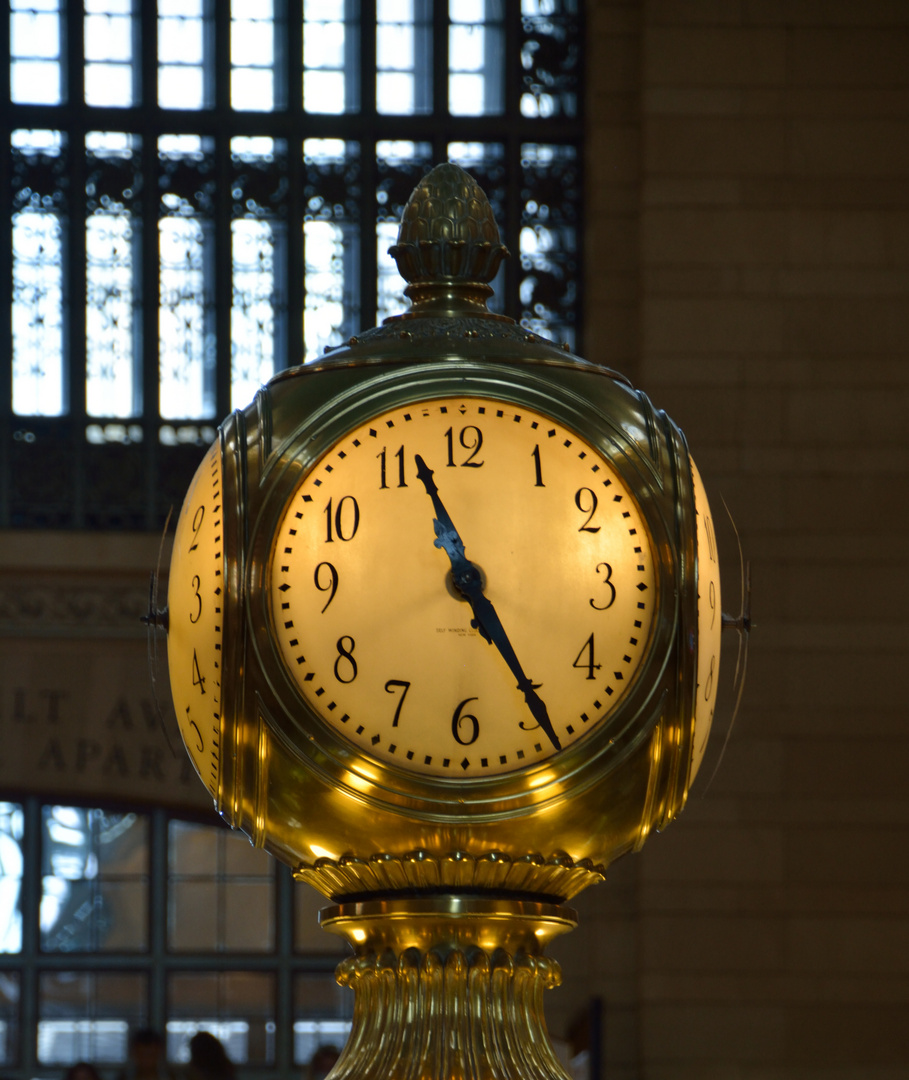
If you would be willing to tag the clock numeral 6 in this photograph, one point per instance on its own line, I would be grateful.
(472, 722)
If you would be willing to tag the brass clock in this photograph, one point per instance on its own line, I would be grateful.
(444, 620)
(462, 587)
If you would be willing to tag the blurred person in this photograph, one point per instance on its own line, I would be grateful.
(147, 1060)
(322, 1062)
(82, 1070)
(208, 1059)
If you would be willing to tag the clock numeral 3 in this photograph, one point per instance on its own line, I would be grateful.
(606, 569)
(345, 665)
(196, 583)
(331, 587)
(470, 438)
(473, 724)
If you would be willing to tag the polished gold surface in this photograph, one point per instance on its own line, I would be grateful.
(447, 876)
(449, 987)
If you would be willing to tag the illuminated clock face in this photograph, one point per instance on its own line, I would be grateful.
(195, 601)
(462, 587)
(710, 623)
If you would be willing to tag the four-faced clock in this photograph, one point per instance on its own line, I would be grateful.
(461, 587)
(195, 603)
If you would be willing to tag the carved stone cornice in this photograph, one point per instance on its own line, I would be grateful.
(70, 605)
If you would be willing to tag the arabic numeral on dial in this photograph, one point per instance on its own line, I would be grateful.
(383, 467)
(198, 677)
(342, 521)
(470, 438)
(196, 584)
(711, 675)
(537, 466)
(345, 665)
(330, 586)
(606, 570)
(195, 727)
(711, 600)
(198, 518)
(403, 686)
(711, 538)
(586, 501)
(585, 659)
(459, 718)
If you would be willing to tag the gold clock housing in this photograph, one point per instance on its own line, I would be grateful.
(468, 631)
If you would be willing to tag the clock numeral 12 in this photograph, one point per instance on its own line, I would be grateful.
(470, 438)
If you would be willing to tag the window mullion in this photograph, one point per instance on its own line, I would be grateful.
(221, 265)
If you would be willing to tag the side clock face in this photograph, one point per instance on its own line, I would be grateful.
(710, 623)
(462, 587)
(195, 596)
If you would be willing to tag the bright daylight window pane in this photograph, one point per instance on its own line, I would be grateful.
(35, 52)
(402, 57)
(108, 53)
(476, 52)
(37, 307)
(329, 66)
(186, 353)
(181, 83)
(111, 385)
(252, 315)
(252, 36)
(330, 246)
(10, 881)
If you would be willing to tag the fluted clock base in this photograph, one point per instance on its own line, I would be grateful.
(448, 988)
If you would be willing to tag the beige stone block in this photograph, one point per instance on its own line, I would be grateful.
(717, 146)
(711, 943)
(845, 281)
(714, 235)
(728, 854)
(711, 191)
(620, 156)
(708, 1031)
(825, 13)
(692, 12)
(691, 279)
(866, 769)
(866, 326)
(874, 418)
(854, 1033)
(866, 147)
(849, 56)
(714, 55)
(674, 100)
(839, 236)
(832, 100)
(727, 325)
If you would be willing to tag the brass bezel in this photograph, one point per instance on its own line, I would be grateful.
(391, 787)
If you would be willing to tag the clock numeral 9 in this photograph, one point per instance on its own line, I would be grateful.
(331, 587)
(345, 519)
(462, 717)
(470, 438)
(345, 665)
(711, 600)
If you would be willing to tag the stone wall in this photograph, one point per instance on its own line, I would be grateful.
(748, 245)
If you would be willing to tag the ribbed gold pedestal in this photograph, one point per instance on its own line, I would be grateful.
(448, 988)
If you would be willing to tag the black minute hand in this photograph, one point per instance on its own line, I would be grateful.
(469, 583)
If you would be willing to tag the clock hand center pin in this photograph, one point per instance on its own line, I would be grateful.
(468, 580)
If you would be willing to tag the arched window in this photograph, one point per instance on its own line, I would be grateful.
(204, 193)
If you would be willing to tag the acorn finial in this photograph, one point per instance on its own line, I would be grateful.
(448, 235)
